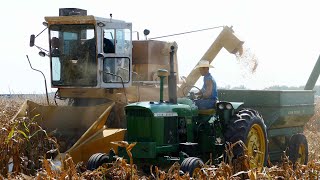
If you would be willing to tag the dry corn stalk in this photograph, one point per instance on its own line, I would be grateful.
(14, 146)
(128, 150)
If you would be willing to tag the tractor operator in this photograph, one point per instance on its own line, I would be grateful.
(208, 94)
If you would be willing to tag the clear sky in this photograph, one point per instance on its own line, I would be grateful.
(283, 35)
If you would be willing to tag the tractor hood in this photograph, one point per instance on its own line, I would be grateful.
(164, 109)
(153, 124)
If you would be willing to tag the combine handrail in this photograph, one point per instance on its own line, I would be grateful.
(44, 77)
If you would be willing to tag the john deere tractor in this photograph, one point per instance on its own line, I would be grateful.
(258, 125)
(176, 130)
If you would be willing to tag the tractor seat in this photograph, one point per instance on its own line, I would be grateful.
(207, 111)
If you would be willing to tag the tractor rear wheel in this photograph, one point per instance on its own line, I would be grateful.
(298, 149)
(97, 160)
(248, 126)
(192, 165)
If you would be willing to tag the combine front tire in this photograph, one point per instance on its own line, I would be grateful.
(298, 149)
(248, 126)
(192, 165)
(97, 160)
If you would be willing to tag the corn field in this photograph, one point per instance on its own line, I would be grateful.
(25, 149)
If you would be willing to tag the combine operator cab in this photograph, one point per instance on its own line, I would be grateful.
(88, 51)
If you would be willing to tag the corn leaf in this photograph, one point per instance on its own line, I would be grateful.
(10, 135)
(34, 117)
(25, 127)
(24, 134)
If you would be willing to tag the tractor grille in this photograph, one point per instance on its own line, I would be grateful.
(142, 126)
(139, 124)
(170, 130)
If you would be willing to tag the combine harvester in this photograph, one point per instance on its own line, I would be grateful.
(99, 69)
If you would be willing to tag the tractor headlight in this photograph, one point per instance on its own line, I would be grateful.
(221, 106)
(229, 106)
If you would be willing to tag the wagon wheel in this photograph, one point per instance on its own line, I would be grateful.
(248, 126)
(192, 165)
(298, 149)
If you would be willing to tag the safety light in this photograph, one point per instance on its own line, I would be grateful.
(221, 106)
(229, 106)
(100, 24)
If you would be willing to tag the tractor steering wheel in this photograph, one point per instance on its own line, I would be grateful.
(191, 94)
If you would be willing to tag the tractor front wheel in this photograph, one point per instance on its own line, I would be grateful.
(192, 165)
(298, 149)
(97, 160)
(248, 126)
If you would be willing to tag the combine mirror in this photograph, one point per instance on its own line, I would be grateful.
(32, 38)
(42, 54)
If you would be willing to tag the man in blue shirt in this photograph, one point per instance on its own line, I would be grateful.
(209, 89)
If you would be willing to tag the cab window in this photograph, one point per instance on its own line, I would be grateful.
(108, 41)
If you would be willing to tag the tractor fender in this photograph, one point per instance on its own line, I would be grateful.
(237, 105)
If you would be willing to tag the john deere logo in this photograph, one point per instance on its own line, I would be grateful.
(165, 114)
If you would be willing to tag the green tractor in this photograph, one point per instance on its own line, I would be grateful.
(259, 125)
(166, 132)
(176, 130)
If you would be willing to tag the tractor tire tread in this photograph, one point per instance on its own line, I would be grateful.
(190, 164)
(239, 127)
(96, 160)
(294, 143)
(185, 164)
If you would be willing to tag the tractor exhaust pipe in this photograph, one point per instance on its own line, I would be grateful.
(313, 76)
(172, 80)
